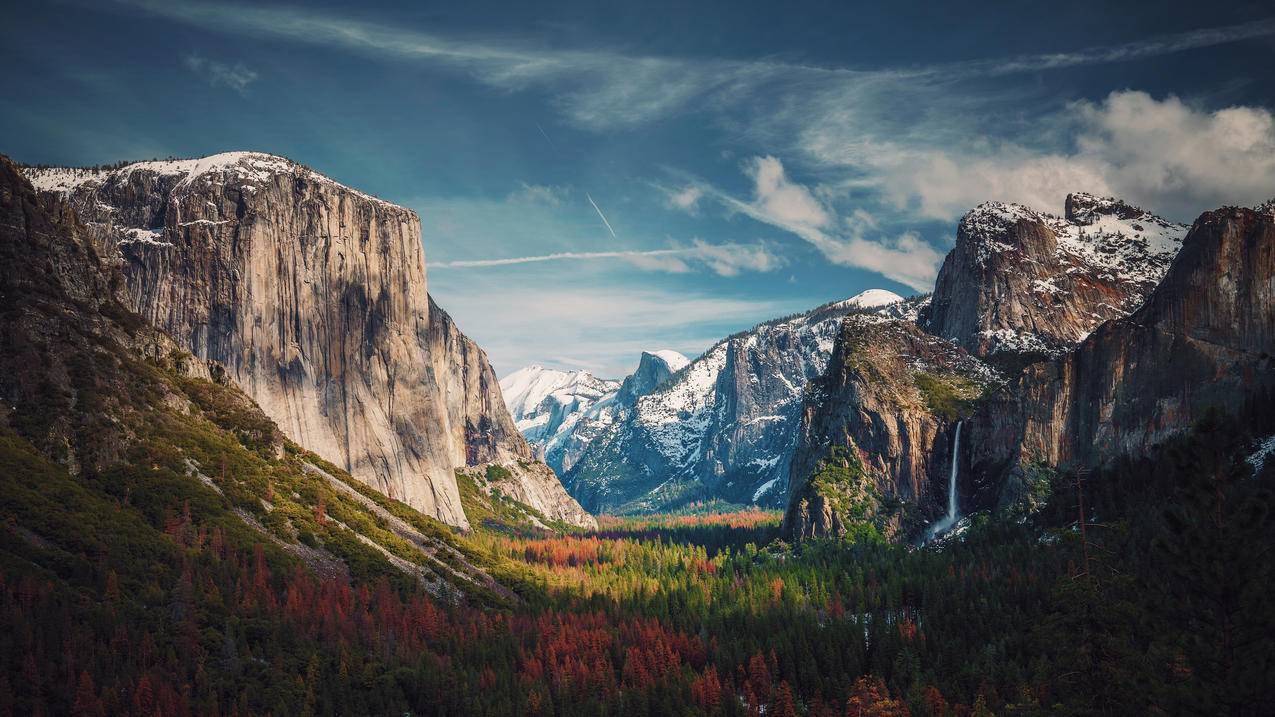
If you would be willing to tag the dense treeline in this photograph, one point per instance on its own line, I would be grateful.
(1154, 602)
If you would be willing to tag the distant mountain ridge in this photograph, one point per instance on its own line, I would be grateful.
(560, 412)
(722, 427)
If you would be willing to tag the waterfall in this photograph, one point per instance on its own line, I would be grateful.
(945, 523)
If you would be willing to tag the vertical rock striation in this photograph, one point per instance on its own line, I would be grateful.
(877, 428)
(314, 298)
(1204, 339)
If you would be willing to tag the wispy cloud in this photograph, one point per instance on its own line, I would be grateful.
(559, 256)
(235, 76)
(792, 207)
(721, 259)
(609, 325)
(539, 194)
(599, 88)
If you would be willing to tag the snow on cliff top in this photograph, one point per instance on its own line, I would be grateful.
(871, 299)
(674, 360)
(525, 389)
(1107, 234)
(249, 166)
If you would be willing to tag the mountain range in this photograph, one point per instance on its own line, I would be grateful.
(1056, 344)
(1048, 341)
(718, 428)
(1058, 341)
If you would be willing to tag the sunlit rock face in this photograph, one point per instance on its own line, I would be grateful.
(1027, 284)
(314, 297)
(1204, 339)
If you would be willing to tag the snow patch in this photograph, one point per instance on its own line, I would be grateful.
(1264, 450)
(764, 488)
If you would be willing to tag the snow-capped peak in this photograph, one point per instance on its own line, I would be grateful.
(248, 166)
(871, 299)
(1106, 234)
(674, 360)
(526, 389)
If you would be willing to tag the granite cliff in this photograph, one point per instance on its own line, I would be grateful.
(1204, 339)
(313, 296)
(1113, 331)
(110, 430)
(877, 427)
(1026, 285)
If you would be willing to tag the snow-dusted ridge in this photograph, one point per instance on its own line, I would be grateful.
(560, 412)
(1025, 282)
(1104, 233)
(727, 421)
(249, 166)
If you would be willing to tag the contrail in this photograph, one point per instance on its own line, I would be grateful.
(558, 257)
(604, 217)
(546, 136)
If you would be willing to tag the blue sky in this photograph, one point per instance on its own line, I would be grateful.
(595, 179)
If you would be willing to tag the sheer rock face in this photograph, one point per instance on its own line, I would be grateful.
(875, 427)
(1204, 338)
(482, 429)
(314, 297)
(652, 371)
(1028, 283)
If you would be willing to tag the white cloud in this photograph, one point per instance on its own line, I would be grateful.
(1163, 155)
(236, 77)
(686, 199)
(782, 200)
(539, 194)
(1166, 153)
(731, 259)
(790, 206)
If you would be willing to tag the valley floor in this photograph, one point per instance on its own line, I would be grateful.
(134, 593)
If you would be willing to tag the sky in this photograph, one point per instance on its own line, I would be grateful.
(596, 179)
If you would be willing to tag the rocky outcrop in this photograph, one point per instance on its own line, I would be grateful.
(532, 484)
(1204, 338)
(1027, 285)
(654, 368)
(482, 429)
(876, 435)
(66, 327)
(722, 428)
(314, 298)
